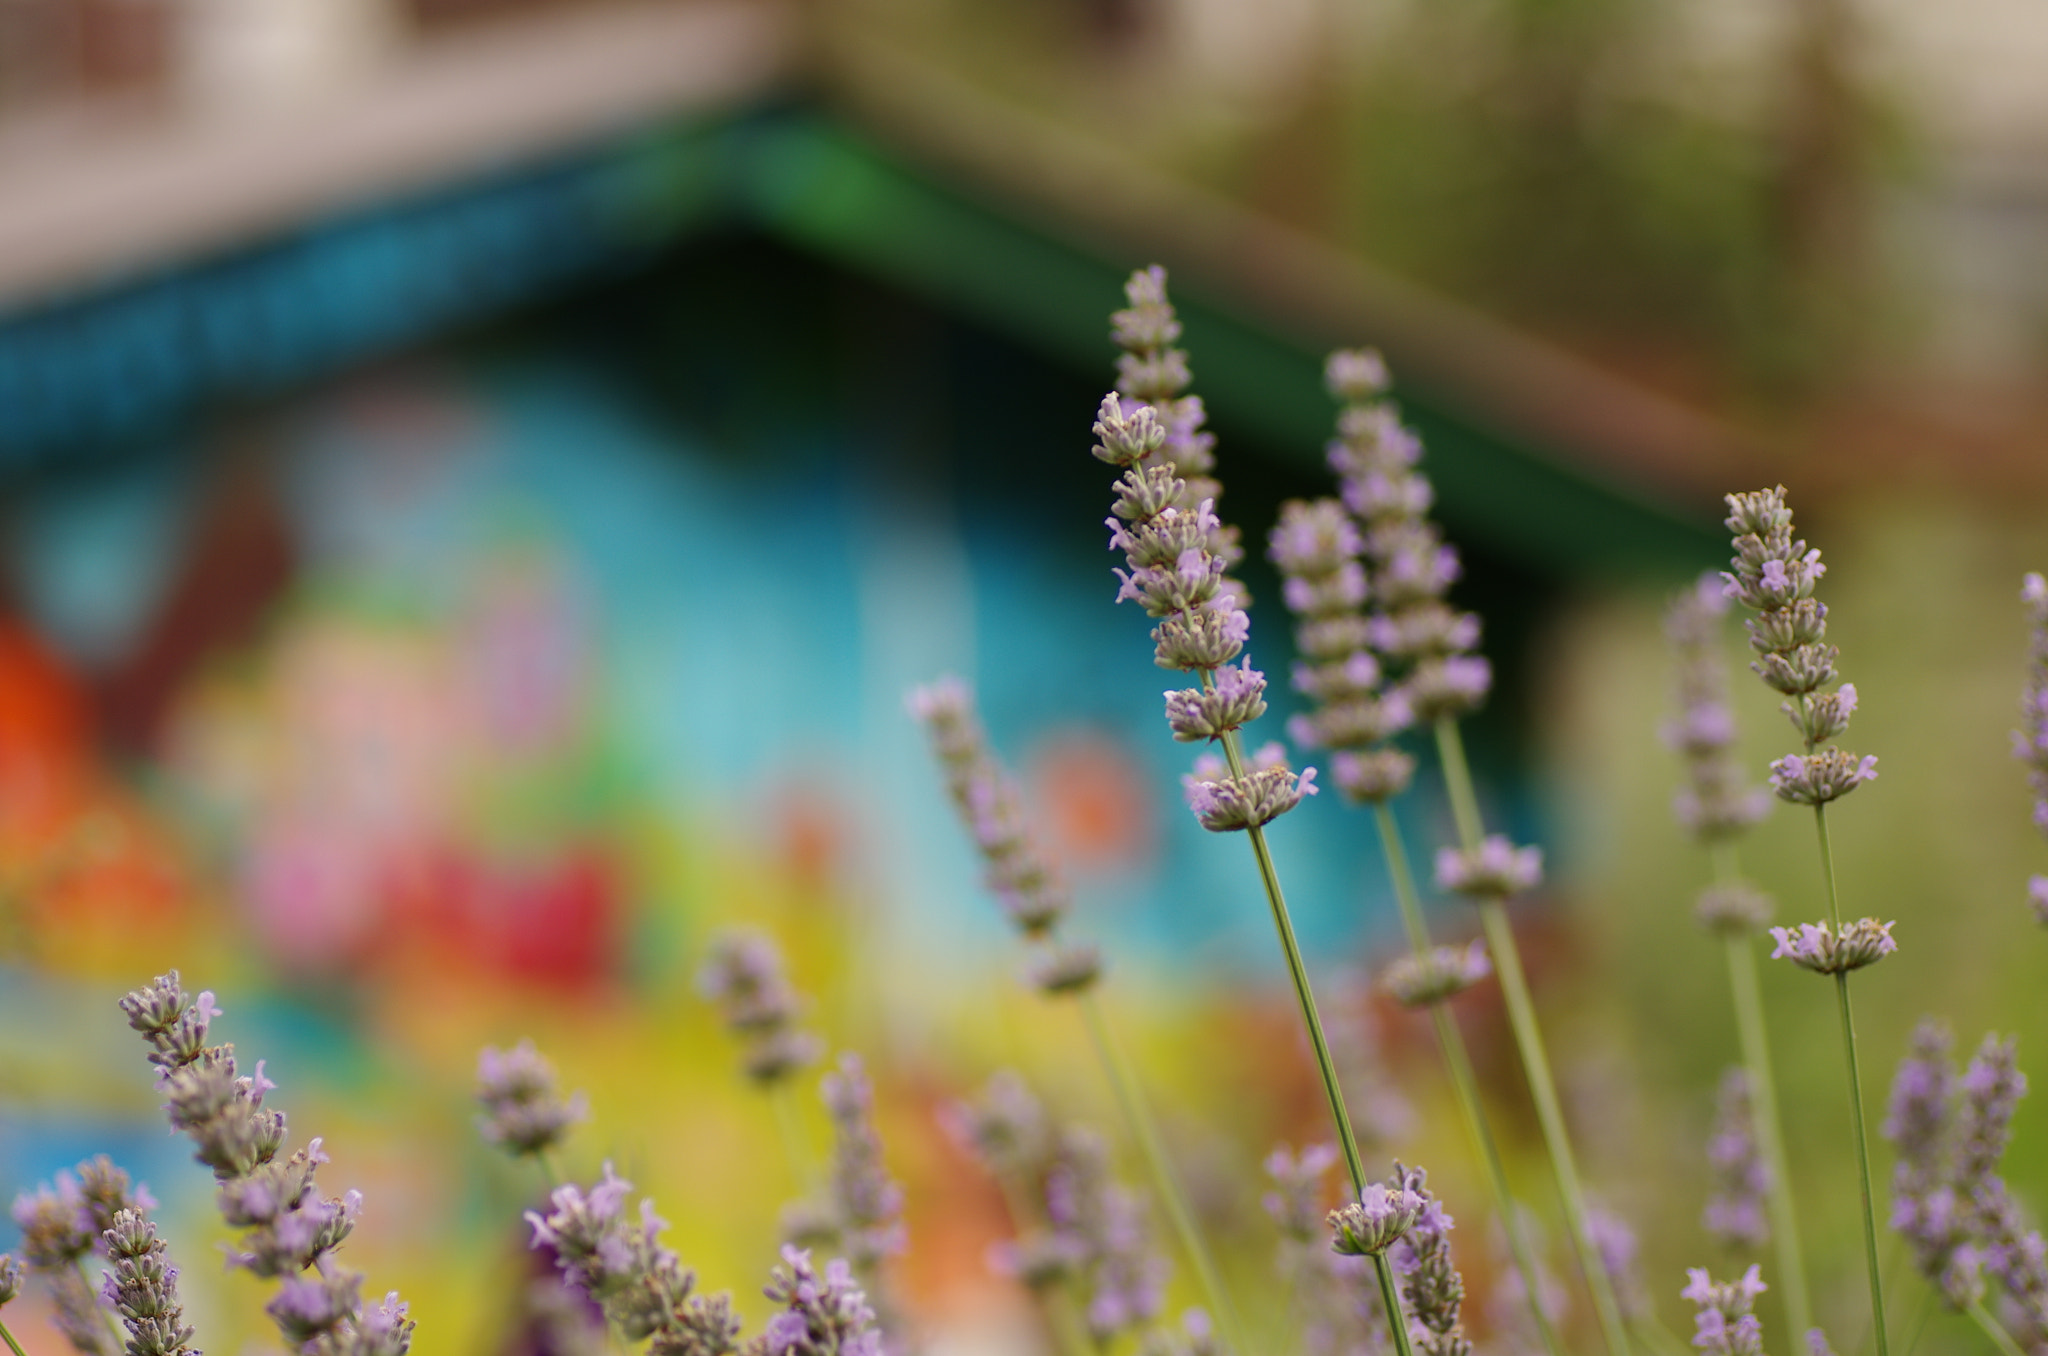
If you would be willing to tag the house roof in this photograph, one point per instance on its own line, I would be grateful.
(221, 261)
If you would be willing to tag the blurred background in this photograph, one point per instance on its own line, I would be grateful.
(477, 478)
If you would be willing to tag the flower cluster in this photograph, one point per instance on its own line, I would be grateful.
(1100, 1225)
(61, 1225)
(1819, 948)
(1267, 790)
(1494, 869)
(744, 977)
(1725, 1325)
(1737, 907)
(821, 1316)
(1025, 885)
(1178, 552)
(1370, 1225)
(1714, 803)
(1436, 974)
(1431, 1287)
(1615, 1242)
(866, 1204)
(524, 1112)
(2030, 741)
(1741, 1179)
(1316, 547)
(143, 1288)
(1411, 628)
(1337, 1295)
(644, 1290)
(1948, 1200)
(1774, 574)
(288, 1227)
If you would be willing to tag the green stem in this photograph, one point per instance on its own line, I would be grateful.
(1145, 1130)
(1507, 961)
(1827, 861)
(1993, 1329)
(547, 1169)
(12, 1345)
(1392, 1300)
(1463, 1083)
(1298, 972)
(1756, 1057)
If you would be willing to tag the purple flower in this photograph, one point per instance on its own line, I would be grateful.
(1714, 804)
(866, 1204)
(1775, 574)
(1822, 776)
(523, 1110)
(1101, 1225)
(1370, 1225)
(1267, 790)
(1374, 776)
(824, 1315)
(1734, 1214)
(1724, 1325)
(1431, 1287)
(743, 976)
(1434, 975)
(1495, 868)
(1615, 1242)
(1235, 698)
(1738, 908)
(1817, 947)
(2037, 892)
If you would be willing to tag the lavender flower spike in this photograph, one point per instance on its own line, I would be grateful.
(10, 1279)
(1714, 804)
(1725, 1325)
(1101, 1226)
(1775, 575)
(288, 1228)
(867, 1203)
(2030, 741)
(1927, 1211)
(1430, 1283)
(985, 797)
(524, 1112)
(822, 1316)
(143, 1288)
(744, 977)
(1741, 1179)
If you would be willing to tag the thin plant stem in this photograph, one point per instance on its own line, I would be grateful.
(1466, 1087)
(1507, 961)
(1297, 970)
(113, 1323)
(790, 1133)
(12, 1345)
(1827, 861)
(1391, 1298)
(547, 1168)
(1144, 1129)
(1756, 1057)
(1992, 1329)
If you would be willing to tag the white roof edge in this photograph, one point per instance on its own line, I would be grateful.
(85, 206)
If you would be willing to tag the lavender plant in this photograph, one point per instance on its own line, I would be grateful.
(1354, 711)
(1032, 896)
(1416, 634)
(1717, 805)
(1335, 1296)
(1737, 1169)
(2030, 743)
(1774, 574)
(1948, 1201)
(65, 1223)
(289, 1231)
(524, 1112)
(1178, 551)
(744, 977)
(10, 1288)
